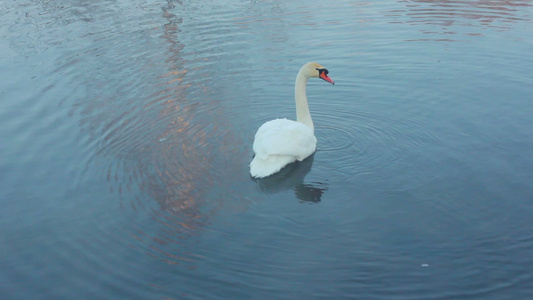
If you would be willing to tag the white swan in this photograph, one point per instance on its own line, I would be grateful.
(280, 142)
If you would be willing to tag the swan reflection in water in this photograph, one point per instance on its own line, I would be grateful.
(292, 178)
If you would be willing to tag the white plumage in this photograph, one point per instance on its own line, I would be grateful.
(280, 142)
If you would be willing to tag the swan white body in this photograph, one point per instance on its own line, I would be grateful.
(280, 142)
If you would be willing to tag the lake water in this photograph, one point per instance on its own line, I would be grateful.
(126, 129)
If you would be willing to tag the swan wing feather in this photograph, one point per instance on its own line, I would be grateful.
(284, 137)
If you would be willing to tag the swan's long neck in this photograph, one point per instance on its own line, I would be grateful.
(302, 108)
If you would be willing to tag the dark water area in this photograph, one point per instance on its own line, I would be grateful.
(126, 130)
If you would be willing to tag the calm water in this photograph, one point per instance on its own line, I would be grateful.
(126, 130)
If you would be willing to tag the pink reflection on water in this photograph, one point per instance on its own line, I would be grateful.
(470, 18)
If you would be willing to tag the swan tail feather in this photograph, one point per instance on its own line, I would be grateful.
(264, 167)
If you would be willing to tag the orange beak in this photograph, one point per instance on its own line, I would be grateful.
(324, 76)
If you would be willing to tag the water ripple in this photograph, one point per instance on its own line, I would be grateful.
(442, 20)
(150, 114)
(374, 142)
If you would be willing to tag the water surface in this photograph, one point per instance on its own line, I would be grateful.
(126, 133)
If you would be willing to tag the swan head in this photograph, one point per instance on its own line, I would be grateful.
(313, 69)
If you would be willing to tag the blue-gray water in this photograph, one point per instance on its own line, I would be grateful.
(126, 129)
